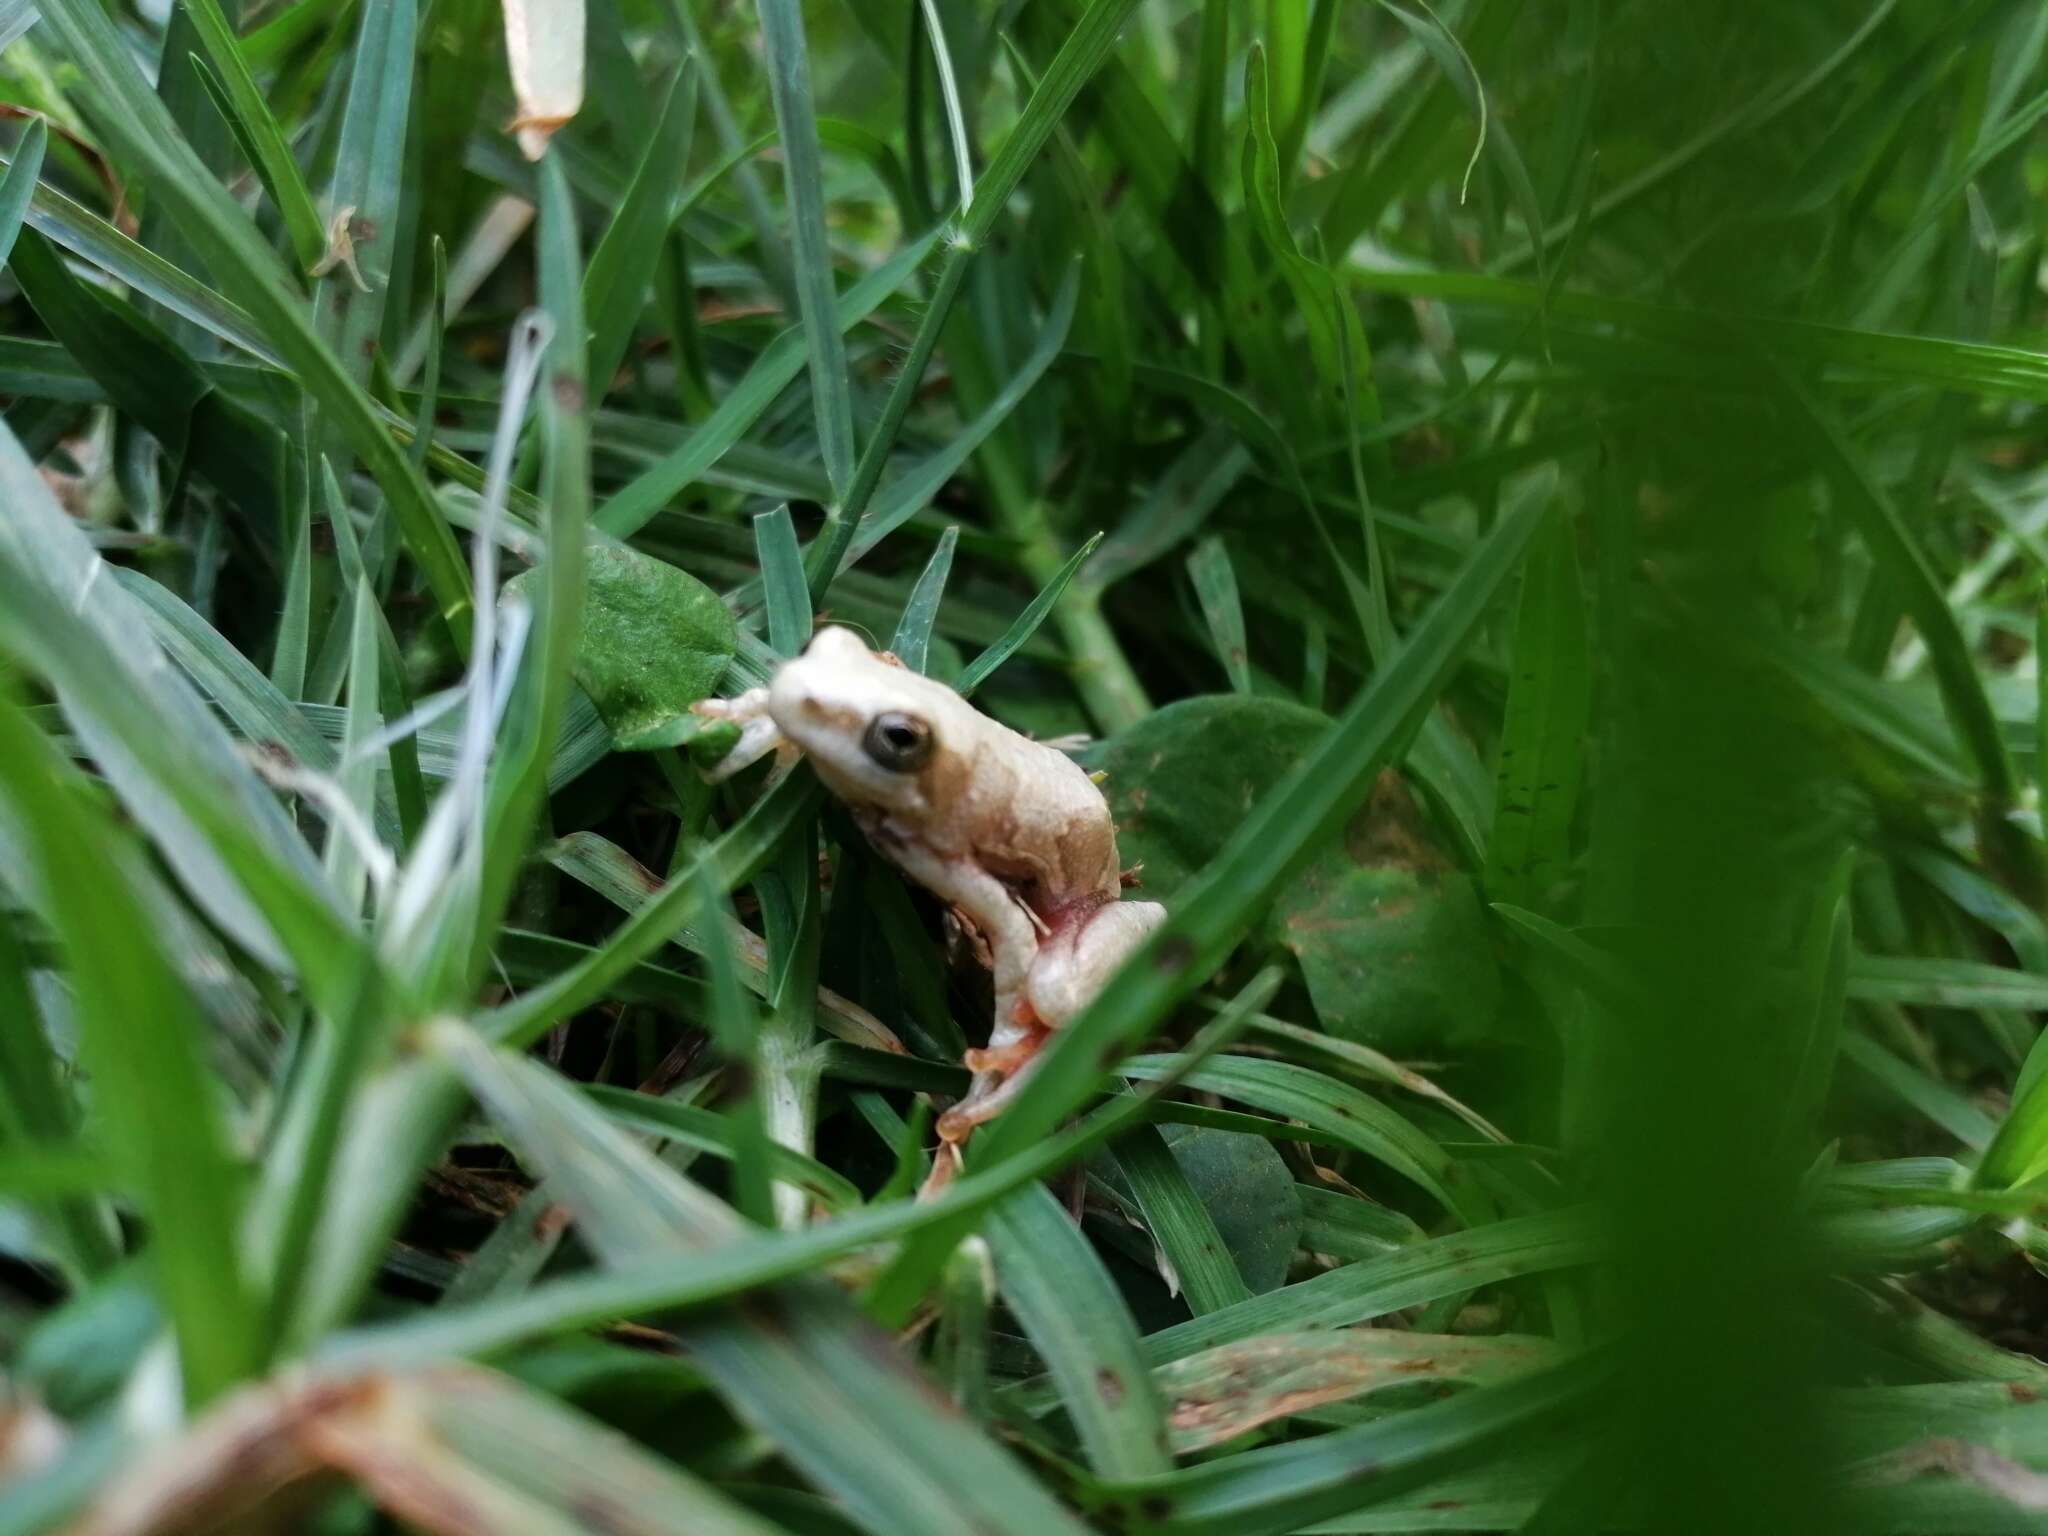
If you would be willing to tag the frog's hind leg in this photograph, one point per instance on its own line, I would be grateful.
(999, 1070)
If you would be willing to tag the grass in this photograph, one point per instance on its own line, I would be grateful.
(1534, 511)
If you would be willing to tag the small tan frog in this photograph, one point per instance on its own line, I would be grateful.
(1012, 833)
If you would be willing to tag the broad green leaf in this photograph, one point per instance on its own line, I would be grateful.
(654, 641)
(1390, 937)
(1245, 1186)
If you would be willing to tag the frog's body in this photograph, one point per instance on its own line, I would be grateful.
(1011, 832)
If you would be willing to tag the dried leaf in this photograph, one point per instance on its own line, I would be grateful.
(544, 45)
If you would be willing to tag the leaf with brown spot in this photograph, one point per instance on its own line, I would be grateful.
(1221, 1393)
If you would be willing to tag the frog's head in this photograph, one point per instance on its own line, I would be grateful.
(873, 728)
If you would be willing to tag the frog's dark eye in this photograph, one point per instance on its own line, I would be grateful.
(897, 742)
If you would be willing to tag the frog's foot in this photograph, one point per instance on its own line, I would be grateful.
(1004, 1060)
(998, 1070)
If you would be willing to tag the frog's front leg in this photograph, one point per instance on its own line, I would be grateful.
(759, 734)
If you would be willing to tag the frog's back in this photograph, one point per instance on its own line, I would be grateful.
(1040, 819)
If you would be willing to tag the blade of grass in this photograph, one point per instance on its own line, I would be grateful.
(979, 670)
(798, 1359)
(1057, 1288)
(784, 592)
(1543, 735)
(623, 264)
(1181, 1225)
(18, 186)
(1354, 1118)
(142, 1039)
(38, 1110)
(1080, 55)
(519, 775)
(911, 644)
(168, 758)
(258, 130)
(735, 1266)
(288, 649)
(789, 83)
(1286, 1487)
(364, 193)
(1215, 582)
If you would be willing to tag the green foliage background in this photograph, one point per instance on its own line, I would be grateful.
(1536, 509)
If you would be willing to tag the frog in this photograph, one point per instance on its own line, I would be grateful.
(1013, 834)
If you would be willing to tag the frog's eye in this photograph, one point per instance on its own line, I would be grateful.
(897, 742)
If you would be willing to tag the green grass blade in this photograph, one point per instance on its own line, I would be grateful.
(1215, 582)
(1181, 1225)
(1893, 546)
(18, 186)
(773, 371)
(1059, 1291)
(979, 670)
(519, 772)
(1353, 1118)
(142, 1038)
(38, 1111)
(622, 266)
(294, 622)
(363, 195)
(798, 1359)
(258, 130)
(789, 81)
(173, 765)
(1542, 745)
(93, 240)
(1284, 1488)
(911, 644)
(784, 591)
